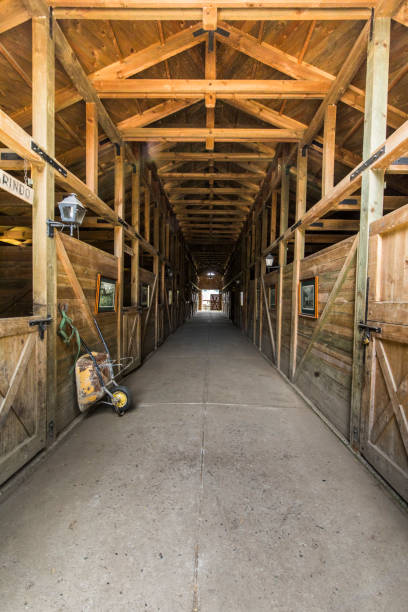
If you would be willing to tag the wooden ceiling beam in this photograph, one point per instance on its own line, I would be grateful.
(222, 89)
(201, 134)
(280, 12)
(215, 190)
(220, 157)
(289, 64)
(205, 176)
(242, 204)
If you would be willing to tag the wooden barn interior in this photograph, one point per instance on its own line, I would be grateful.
(211, 197)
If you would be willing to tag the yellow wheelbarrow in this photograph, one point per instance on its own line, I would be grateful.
(95, 379)
(94, 372)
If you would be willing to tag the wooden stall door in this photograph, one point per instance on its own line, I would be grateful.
(132, 337)
(385, 397)
(215, 301)
(22, 394)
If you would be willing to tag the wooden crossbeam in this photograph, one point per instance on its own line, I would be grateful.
(183, 11)
(220, 157)
(201, 134)
(216, 190)
(238, 203)
(222, 89)
(206, 176)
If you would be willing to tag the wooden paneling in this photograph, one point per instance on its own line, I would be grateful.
(87, 262)
(325, 375)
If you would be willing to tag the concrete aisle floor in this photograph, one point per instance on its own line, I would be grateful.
(222, 492)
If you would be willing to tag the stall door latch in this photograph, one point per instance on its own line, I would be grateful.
(367, 331)
(42, 325)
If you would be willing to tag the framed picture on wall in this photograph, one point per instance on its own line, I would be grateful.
(272, 296)
(308, 297)
(145, 295)
(105, 294)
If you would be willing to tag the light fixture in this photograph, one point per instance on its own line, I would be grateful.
(269, 261)
(210, 274)
(72, 213)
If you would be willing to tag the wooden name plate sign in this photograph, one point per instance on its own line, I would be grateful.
(15, 187)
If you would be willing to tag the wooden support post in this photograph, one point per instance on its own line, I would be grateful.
(157, 268)
(119, 239)
(44, 251)
(147, 207)
(329, 146)
(372, 196)
(299, 251)
(283, 249)
(274, 207)
(92, 144)
(264, 230)
(210, 73)
(134, 266)
(136, 174)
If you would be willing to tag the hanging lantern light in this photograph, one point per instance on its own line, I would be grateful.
(269, 259)
(72, 211)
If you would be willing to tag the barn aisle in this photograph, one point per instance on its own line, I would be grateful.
(222, 492)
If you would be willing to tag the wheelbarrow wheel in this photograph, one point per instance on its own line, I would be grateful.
(121, 400)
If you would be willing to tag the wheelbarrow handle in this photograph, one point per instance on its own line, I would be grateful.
(102, 338)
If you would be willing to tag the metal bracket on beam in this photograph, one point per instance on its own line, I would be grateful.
(349, 201)
(317, 224)
(123, 222)
(367, 163)
(296, 225)
(222, 32)
(48, 159)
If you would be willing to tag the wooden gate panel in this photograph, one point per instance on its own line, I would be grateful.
(22, 398)
(384, 419)
(385, 415)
